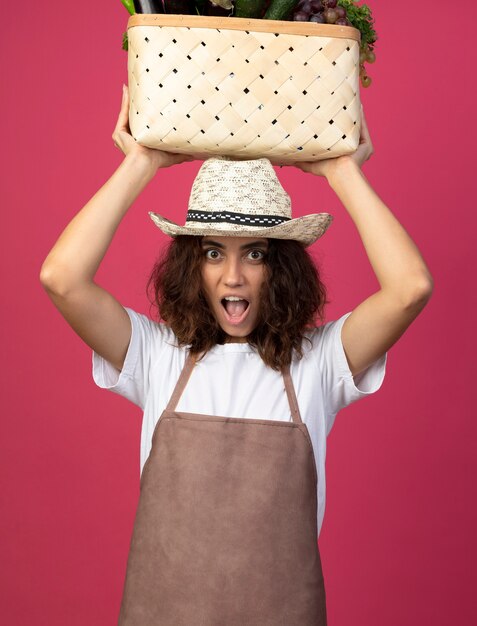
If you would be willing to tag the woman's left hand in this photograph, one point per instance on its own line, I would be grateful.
(329, 167)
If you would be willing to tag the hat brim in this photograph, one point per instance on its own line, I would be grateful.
(306, 229)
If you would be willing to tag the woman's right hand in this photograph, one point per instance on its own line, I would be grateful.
(153, 159)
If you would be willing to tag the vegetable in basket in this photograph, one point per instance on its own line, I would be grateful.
(220, 8)
(280, 9)
(250, 8)
(148, 6)
(339, 12)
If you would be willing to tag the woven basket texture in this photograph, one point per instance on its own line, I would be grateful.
(243, 93)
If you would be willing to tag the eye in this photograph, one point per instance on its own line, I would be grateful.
(212, 254)
(256, 254)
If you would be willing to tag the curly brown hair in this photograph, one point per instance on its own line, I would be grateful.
(292, 298)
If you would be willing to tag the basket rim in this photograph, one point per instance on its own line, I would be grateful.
(245, 24)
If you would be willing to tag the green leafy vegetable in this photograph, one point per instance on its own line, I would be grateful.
(125, 41)
(361, 18)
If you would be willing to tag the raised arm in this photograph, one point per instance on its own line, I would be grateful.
(405, 281)
(68, 271)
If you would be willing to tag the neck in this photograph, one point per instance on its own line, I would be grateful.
(229, 339)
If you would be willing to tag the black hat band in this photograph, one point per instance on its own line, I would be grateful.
(212, 217)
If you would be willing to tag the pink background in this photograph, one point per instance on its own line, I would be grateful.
(399, 536)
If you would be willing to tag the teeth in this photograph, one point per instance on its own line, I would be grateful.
(233, 298)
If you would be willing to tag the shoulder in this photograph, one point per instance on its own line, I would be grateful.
(324, 336)
(143, 327)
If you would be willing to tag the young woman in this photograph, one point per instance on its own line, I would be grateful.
(239, 388)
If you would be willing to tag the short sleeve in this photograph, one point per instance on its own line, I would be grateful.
(133, 380)
(340, 388)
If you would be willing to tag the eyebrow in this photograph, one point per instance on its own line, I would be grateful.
(253, 244)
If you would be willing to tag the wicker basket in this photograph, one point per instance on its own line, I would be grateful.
(248, 88)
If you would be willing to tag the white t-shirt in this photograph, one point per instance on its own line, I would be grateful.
(233, 381)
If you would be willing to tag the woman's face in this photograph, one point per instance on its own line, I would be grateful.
(233, 271)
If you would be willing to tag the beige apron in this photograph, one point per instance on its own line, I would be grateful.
(226, 532)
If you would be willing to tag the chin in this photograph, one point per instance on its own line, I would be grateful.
(234, 333)
(237, 333)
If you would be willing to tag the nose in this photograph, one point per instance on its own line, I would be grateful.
(233, 275)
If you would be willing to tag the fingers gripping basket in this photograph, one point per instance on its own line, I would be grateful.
(248, 88)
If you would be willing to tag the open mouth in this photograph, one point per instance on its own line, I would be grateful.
(235, 308)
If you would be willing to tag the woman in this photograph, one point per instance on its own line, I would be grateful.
(232, 483)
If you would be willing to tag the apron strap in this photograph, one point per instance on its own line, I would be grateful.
(291, 395)
(181, 382)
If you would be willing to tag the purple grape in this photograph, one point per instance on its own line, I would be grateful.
(318, 18)
(303, 5)
(316, 6)
(331, 4)
(341, 21)
(300, 16)
(341, 11)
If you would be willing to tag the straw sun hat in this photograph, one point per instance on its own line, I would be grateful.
(243, 199)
